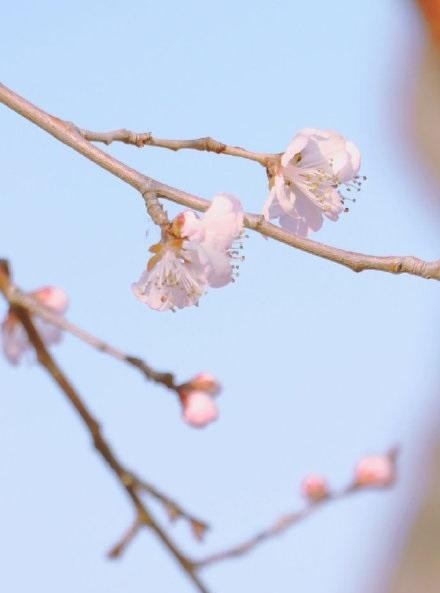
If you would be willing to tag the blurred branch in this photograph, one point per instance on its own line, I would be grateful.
(17, 298)
(173, 508)
(126, 479)
(207, 144)
(69, 135)
(118, 549)
(282, 524)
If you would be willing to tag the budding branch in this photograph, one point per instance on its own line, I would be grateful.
(126, 478)
(76, 138)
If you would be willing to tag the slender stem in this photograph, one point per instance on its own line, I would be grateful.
(175, 511)
(208, 144)
(118, 549)
(18, 298)
(69, 135)
(123, 475)
(279, 526)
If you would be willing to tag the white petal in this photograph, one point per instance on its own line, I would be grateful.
(199, 409)
(52, 297)
(172, 283)
(15, 341)
(222, 222)
(216, 265)
(297, 145)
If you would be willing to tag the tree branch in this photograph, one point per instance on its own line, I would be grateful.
(125, 478)
(206, 144)
(17, 298)
(119, 548)
(279, 526)
(68, 134)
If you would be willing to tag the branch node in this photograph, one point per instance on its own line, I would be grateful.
(155, 209)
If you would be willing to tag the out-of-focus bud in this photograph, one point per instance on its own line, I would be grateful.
(14, 338)
(197, 397)
(199, 408)
(315, 488)
(53, 297)
(375, 470)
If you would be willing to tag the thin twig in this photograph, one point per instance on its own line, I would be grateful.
(119, 548)
(173, 508)
(18, 298)
(279, 526)
(68, 134)
(123, 475)
(207, 144)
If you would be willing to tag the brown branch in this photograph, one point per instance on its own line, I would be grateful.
(279, 526)
(124, 476)
(68, 134)
(206, 144)
(173, 508)
(156, 210)
(119, 548)
(16, 297)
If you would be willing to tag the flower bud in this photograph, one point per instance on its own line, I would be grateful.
(375, 470)
(52, 297)
(315, 488)
(199, 408)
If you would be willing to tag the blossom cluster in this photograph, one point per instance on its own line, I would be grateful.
(200, 251)
(196, 252)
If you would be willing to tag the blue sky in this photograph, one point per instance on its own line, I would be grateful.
(319, 366)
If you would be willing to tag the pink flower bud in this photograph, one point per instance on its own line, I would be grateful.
(376, 470)
(14, 337)
(52, 297)
(199, 408)
(205, 382)
(315, 488)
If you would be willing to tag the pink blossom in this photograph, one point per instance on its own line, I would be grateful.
(314, 487)
(52, 297)
(196, 252)
(375, 470)
(199, 408)
(173, 278)
(218, 226)
(14, 337)
(305, 185)
(197, 397)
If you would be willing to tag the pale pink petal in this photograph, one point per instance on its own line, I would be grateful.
(216, 264)
(52, 297)
(222, 222)
(298, 143)
(315, 488)
(14, 339)
(191, 226)
(375, 470)
(199, 409)
(171, 283)
(305, 188)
